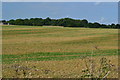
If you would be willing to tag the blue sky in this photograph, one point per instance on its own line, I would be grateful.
(102, 12)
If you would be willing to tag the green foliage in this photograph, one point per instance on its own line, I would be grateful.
(66, 22)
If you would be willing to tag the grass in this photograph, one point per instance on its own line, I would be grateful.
(54, 45)
(40, 56)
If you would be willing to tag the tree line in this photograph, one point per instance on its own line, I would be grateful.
(66, 22)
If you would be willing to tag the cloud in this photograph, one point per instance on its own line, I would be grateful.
(67, 16)
(98, 3)
(102, 20)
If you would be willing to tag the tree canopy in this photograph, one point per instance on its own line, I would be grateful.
(66, 22)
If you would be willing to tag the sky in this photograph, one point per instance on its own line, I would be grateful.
(60, 0)
(102, 12)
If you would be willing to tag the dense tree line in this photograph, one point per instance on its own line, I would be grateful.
(66, 22)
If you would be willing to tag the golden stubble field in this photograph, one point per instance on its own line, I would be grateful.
(55, 52)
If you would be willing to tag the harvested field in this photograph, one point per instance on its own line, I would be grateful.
(56, 52)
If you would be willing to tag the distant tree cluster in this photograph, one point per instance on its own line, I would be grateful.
(66, 22)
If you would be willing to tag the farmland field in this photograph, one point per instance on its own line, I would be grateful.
(55, 52)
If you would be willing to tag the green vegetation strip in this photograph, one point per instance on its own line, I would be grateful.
(52, 58)
(46, 56)
(56, 54)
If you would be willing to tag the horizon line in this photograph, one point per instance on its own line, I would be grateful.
(62, 18)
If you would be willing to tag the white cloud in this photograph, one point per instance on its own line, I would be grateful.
(97, 3)
(60, 0)
(102, 20)
(67, 16)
